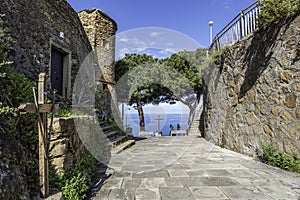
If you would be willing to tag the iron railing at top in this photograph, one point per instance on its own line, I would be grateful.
(242, 25)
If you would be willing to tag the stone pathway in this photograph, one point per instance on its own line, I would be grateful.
(184, 168)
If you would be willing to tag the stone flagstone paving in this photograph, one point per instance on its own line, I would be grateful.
(184, 168)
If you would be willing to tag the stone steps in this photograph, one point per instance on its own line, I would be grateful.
(116, 138)
(194, 127)
(122, 146)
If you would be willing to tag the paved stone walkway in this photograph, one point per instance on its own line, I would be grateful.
(184, 168)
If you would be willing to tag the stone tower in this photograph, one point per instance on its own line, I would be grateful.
(101, 30)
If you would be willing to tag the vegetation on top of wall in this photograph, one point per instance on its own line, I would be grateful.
(218, 56)
(279, 159)
(274, 11)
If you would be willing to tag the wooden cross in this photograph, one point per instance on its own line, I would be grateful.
(41, 109)
(158, 122)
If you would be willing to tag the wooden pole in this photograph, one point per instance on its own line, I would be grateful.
(43, 141)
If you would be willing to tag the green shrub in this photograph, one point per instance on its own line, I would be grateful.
(279, 159)
(64, 112)
(75, 182)
(274, 11)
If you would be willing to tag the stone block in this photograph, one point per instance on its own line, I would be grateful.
(250, 192)
(257, 129)
(290, 101)
(252, 95)
(285, 76)
(290, 147)
(287, 116)
(297, 112)
(141, 194)
(294, 130)
(285, 90)
(296, 87)
(273, 121)
(251, 118)
(175, 193)
(272, 100)
(268, 130)
(261, 80)
(256, 110)
(266, 90)
(277, 110)
(58, 148)
(283, 127)
(208, 193)
(62, 125)
(60, 164)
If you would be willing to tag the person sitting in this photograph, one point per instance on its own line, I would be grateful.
(178, 127)
(171, 129)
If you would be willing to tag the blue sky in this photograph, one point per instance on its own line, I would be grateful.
(163, 27)
(188, 17)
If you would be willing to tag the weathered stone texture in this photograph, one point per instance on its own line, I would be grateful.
(65, 146)
(35, 26)
(256, 97)
(101, 30)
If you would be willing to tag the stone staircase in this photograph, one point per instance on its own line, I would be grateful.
(118, 140)
(194, 126)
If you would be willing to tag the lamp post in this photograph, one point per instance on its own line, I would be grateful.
(211, 23)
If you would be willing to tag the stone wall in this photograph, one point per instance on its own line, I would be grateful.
(35, 27)
(18, 168)
(252, 92)
(65, 146)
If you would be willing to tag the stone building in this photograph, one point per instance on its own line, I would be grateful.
(47, 36)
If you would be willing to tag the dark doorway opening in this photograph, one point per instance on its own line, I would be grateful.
(57, 63)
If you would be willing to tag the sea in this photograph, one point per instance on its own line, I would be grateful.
(151, 122)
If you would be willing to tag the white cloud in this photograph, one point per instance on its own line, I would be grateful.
(122, 39)
(155, 34)
(143, 39)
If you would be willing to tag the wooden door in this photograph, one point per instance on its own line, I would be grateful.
(57, 70)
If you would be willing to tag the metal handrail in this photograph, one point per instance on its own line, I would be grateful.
(242, 25)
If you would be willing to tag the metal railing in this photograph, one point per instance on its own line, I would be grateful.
(242, 25)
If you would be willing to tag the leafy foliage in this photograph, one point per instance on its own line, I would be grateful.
(14, 88)
(75, 182)
(186, 69)
(145, 79)
(279, 159)
(274, 11)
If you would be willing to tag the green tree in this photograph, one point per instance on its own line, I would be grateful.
(187, 65)
(134, 88)
(143, 79)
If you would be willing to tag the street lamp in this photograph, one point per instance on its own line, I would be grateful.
(211, 23)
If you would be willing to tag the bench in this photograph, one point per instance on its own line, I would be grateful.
(178, 132)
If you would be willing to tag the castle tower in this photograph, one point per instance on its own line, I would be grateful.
(101, 30)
